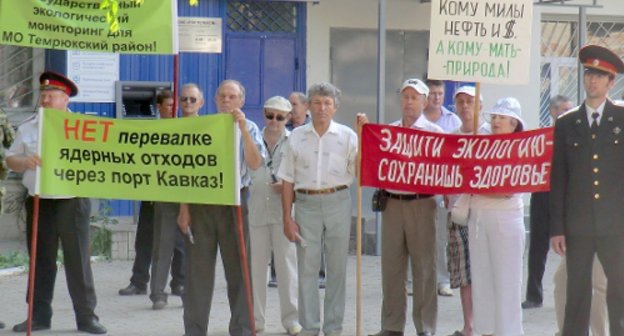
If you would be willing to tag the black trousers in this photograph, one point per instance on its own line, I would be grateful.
(214, 228)
(168, 250)
(539, 245)
(579, 261)
(143, 244)
(67, 221)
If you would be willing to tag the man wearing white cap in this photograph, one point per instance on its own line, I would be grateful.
(409, 235)
(458, 253)
(586, 204)
(265, 225)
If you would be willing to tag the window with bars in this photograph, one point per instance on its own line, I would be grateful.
(268, 17)
(16, 75)
(559, 50)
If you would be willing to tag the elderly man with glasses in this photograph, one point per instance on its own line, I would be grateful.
(214, 225)
(265, 226)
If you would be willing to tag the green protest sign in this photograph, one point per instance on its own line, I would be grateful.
(186, 160)
(147, 27)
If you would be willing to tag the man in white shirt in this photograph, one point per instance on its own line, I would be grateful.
(449, 122)
(409, 234)
(318, 167)
(435, 110)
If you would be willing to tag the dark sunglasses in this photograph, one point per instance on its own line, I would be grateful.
(192, 100)
(278, 117)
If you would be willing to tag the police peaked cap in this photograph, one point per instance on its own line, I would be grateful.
(50, 80)
(600, 58)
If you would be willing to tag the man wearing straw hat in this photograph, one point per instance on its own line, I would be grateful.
(63, 218)
(586, 203)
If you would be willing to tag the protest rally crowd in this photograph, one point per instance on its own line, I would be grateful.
(295, 177)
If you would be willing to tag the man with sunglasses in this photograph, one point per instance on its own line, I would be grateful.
(214, 226)
(265, 227)
(144, 238)
(191, 100)
(168, 241)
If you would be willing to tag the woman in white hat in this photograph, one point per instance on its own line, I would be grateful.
(496, 236)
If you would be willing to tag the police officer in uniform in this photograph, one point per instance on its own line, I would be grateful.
(64, 219)
(586, 202)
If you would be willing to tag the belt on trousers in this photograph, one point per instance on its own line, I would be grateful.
(408, 197)
(321, 191)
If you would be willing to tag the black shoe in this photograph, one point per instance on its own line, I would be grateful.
(388, 333)
(273, 283)
(132, 290)
(92, 326)
(531, 304)
(177, 290)
(2, 325)
(35, 326)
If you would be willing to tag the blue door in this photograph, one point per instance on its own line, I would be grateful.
(265, 51)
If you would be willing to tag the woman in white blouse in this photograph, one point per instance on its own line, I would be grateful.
(496, 236)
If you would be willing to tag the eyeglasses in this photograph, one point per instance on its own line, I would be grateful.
(192, 100)
(278, 117)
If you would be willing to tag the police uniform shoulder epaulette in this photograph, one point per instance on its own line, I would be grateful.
(568, 112)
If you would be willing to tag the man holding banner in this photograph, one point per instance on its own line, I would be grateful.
(63, 218)
(214, 228)
(409, 235)
(586, 193)
(318, 166)
(458, 251)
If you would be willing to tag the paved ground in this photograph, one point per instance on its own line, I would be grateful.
(129, 316)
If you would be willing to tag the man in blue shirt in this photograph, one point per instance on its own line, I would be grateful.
(214, 228)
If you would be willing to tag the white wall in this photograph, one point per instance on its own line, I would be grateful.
(412, 15)
(354, 14)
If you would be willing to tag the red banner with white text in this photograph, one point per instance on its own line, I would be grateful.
(433, 163)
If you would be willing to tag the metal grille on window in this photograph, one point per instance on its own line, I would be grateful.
(267, 17)
(559, 50)
(16, 76)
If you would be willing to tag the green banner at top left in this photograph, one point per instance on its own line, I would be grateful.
(145, 28)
